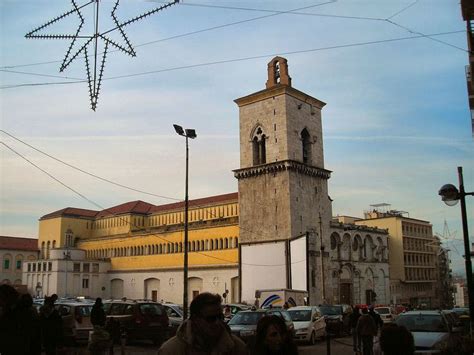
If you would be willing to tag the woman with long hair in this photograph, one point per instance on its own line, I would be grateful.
(273, 338)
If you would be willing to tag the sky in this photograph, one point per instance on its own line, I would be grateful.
(396, 125)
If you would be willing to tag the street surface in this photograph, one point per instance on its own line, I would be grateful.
(339, 346)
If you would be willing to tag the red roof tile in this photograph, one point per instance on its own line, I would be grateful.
(138, 207)
(71, 211)
(197, 202)
(15, 243)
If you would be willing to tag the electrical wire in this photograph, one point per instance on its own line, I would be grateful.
(108, 180)
(185, 34)
(86, 172)
(123, 219)
(233, 60)
(402, 10)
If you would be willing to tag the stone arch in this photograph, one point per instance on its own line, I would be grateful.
(48, 248)
(335, 243)
(116, 288)
(258, 138)
(346, 247)
(368, 248)
(43, 252)
(152, 289)
(380, 249)
(226, 243)
(357, 246)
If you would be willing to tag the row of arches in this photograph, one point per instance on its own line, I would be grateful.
(358, 248)
(164, 248)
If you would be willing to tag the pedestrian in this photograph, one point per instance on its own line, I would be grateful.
(98, 314)
(51, 327)
(227, 312)
(376, 317)
(204, 332)
(396, 340)
(366, 329)
(353, 318)
(272, 338)
(18, 326)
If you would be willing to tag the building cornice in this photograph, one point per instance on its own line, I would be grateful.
(277, 90)
(284, 165)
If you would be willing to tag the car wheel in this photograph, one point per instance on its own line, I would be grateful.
(312, 339)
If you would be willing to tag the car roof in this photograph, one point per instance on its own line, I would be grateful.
(73, 303)
(301, 308)
(423, 313)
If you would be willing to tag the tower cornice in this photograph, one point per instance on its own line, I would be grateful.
(284, 165)
(277, 90)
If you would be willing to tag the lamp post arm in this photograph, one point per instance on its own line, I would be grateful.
(467, 253)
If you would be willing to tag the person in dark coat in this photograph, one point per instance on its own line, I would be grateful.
(272, 338)
(51, 327)
(18, 327)
(98, 314)
(353, 318)
(367, 329)
(376, 317)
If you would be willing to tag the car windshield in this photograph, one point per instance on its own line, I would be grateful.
(300, 315)
(246, 318)
(382, 310)
(331, 310)
(151, 309)
(423, 322)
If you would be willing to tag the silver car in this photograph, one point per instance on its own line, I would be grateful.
(387, 313)
(175, 316)
(432, 332)
(309, 323)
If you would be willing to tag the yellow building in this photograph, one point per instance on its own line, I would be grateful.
(412, 256)
(140, 247)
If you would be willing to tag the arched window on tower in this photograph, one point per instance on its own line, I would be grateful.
(306, 143)
(258, 147)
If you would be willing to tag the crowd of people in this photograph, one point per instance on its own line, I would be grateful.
(24, 330)
(393, 339)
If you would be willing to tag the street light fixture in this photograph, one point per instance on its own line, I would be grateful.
(451, 195)
(187, 133)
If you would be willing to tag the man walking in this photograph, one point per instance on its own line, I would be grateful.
(367, 329)
(204, 332)
(353, 318)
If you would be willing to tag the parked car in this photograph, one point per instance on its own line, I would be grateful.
(76, 317)
(334, 318)
(175, 316)
(244, 323)
(139, 320)
(237, 307)
(431, 331)
(387, 313)
(309, 323)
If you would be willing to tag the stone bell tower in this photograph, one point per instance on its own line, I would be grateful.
(282, 186)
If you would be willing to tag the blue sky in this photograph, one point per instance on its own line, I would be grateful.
(396, 124)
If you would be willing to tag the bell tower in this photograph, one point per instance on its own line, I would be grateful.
(282, 183)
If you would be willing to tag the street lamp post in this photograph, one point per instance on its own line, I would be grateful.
(451, 195)
(187, 133)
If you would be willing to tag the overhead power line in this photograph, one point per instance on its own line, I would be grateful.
(233, 60)
(86, 172)
(121, 218)
(104, 179)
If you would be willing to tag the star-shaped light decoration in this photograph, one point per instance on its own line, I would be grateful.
(89, 43)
